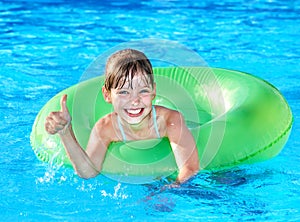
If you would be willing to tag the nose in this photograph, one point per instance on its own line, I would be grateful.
(135, 100)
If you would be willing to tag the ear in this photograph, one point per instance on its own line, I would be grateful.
(106, 95)
(154, 91)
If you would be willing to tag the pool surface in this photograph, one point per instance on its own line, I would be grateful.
(46, 46)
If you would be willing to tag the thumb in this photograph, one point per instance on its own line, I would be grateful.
(63, 104)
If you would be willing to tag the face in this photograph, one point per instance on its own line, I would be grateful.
(132, 102)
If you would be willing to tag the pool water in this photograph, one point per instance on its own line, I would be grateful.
(47, 45)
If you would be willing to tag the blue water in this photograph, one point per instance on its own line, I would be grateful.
(45, 46)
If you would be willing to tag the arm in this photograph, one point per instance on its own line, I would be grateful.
(81, 162)
(184, 147)
(60, 122)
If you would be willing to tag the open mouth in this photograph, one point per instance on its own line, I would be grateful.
(134, 112)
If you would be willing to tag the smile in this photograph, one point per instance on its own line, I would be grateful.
(134, 112)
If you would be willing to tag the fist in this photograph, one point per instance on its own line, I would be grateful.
(58, 122)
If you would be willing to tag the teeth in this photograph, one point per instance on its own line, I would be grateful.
(134, 111)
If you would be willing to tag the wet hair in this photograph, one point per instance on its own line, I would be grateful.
(123, 65)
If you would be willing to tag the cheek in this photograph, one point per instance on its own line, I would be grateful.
(147, 99)
(117, 102)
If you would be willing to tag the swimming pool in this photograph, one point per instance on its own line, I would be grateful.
(46, 46)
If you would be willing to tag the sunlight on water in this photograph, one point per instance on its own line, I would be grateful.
(46, 47)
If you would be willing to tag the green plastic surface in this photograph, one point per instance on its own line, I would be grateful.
(235, 118)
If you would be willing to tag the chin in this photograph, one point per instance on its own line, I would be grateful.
(136, 122)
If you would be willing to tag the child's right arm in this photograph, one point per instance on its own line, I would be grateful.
(60, 122)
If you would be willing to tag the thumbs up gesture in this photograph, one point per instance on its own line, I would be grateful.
(58, 121)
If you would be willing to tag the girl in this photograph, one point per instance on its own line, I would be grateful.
(130, 88)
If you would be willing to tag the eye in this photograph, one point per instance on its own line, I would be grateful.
(145, 90)
(123, 92)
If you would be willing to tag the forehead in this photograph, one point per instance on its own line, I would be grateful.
(137, 80)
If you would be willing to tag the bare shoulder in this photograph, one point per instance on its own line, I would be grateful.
(104, 127)
(105, 121)
(171, 116)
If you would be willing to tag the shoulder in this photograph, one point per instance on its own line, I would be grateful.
(170, 116)
(104, 127)
(173, 121)
(105, 121)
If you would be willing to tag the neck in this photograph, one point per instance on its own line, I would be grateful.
(138, 131)
(142, 126)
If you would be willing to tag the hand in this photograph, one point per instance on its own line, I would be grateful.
(171, 186)
(58, 122)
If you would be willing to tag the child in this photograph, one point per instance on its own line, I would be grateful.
(130, 88)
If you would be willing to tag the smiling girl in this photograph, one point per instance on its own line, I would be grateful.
(130, 88)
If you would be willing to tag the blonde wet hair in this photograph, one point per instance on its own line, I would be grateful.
(123, 65)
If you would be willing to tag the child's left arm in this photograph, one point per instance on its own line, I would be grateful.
(184, 147)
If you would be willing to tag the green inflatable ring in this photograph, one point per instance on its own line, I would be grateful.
(235, 118)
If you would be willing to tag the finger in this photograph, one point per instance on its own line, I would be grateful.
(58, 118)
(49, 128)
(55, 123)
(63, 104)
